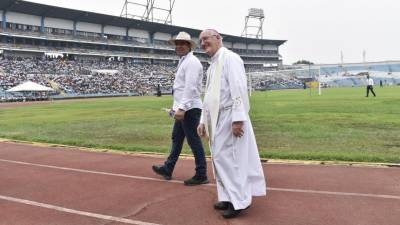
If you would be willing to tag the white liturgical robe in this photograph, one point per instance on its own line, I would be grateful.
(237, 165)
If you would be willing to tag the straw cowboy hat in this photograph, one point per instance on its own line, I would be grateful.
(183, 36)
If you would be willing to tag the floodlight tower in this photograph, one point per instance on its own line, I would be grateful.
(364, 56)
(341, 58)
(145, 10)
(254, 24)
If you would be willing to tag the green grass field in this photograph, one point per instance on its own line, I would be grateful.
(340, 125)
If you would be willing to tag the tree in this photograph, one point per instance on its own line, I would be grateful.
(304, 62)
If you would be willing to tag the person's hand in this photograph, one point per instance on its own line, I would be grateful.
(237, 128)
(201, 130)
(180, 114)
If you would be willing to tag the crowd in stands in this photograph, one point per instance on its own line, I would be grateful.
(275, 80)
(82, 77)
(107, 77)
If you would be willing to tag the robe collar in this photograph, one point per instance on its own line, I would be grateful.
(214, 58)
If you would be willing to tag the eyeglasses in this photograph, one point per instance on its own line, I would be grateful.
(205, 38)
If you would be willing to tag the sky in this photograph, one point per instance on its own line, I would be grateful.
(315, 30)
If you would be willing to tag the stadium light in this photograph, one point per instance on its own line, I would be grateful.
(146, 10)
(256, 12)
(255, 15)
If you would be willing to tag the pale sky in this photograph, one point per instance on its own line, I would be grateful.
(316, 30)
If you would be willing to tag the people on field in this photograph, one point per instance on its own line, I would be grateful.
(225, 120)
(158, 90)
(186, 110)
(370, 86)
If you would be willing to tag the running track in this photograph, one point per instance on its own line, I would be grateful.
(50, 185)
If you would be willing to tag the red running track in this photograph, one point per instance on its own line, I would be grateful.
(48, 185)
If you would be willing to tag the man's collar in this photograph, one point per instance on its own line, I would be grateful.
(189, 53)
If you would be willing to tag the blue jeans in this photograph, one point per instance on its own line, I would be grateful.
(187, 128)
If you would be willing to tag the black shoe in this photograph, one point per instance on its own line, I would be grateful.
(231, 212)
(160, 170)
(221, 205)
(196, 181)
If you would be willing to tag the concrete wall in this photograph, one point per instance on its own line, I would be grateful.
(239, 45)
(227, 44)
(58, 23)
(13, 17)
(88, 27)
(139, 33)
(162, 36)
(254, 46)
(270, 47)
(114, 30)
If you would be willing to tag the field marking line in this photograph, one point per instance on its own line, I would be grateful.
(212, 185)
(336, 193)
(73, 211)
(190, 157)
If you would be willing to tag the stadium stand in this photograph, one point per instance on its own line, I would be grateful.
(79, 77)
(85, 42)
(354, 74)
(270, 80)
(343, 75)
(84, 54)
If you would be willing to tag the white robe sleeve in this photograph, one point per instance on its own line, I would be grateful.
(238, 88)
(203, 117)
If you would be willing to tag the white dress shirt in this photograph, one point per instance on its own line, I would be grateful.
(187, 83)
(370, 81)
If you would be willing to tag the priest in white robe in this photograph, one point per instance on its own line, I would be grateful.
(225, 120)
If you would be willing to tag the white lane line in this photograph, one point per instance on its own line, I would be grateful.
(336, 193)
(90, 171)
(180, 182)
(73, 211)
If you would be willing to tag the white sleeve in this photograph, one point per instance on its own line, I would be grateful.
(238, 87)
(193, 72)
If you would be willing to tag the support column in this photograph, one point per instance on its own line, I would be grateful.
(74, 31)
(151, 36)
(42, 25)
(4, 22)
(152, 49)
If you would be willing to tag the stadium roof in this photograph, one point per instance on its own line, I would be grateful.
(37, 9)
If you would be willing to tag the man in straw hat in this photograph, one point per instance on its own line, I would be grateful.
(186, 110)
(225, 120)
